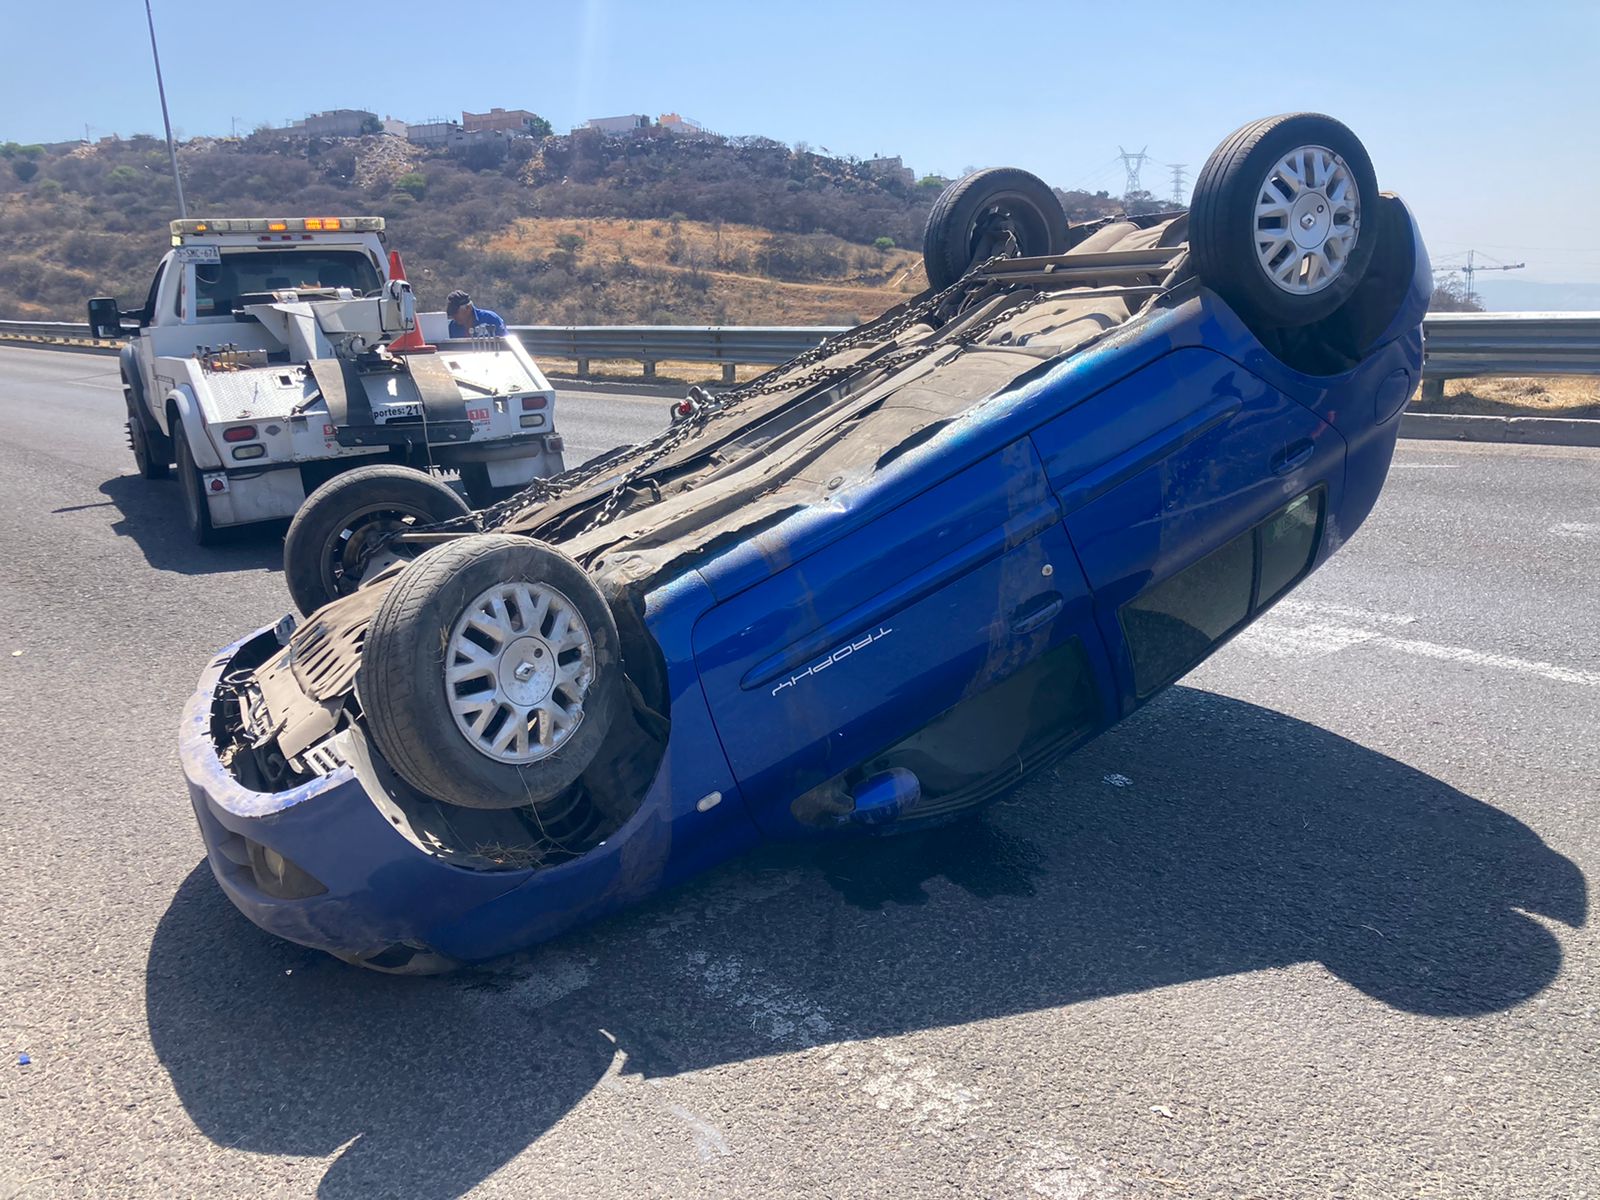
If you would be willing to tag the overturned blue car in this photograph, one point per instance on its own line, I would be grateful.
(873, 589)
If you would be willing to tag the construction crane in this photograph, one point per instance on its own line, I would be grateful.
(1471, 267)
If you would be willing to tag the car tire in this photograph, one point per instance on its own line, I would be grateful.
(1283, 220)
(322, 552)
(969, 220)
(468, 649)
(196, 512)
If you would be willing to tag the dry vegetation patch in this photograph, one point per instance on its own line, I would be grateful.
(1549, 396)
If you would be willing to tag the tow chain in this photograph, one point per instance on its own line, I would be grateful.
(708, 407)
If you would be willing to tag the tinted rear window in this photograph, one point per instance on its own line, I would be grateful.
(218, 287)
(1172, 626)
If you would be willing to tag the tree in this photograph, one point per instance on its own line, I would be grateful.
(1137, 204)
(413, 183)
(884, 243)
(24, 168)
(371, 125)
(1450, 296)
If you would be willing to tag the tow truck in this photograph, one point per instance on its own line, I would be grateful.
(271, 355)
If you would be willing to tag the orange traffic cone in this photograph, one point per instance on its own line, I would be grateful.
(406, 343)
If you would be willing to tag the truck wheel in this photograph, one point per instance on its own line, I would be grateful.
(482, 493)
(1282, 224)
(491, 672)
(139, 443)
(976, 217)
(152, 450)
(331, 544)
(196, 512)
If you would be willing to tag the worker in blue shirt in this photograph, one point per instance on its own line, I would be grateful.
(469, 321)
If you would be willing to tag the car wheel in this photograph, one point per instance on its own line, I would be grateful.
(491, 672)
(979, 216)
(332, 543)
(197, 513)
(1283, 219)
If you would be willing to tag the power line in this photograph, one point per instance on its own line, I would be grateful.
(1178, 182)
(1132, 163)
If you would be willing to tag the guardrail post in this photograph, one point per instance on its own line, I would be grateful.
(727, 372)
(649, 369)
(1432, 391)
(583, 368)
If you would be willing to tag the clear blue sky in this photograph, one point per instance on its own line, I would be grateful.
(1485, 116)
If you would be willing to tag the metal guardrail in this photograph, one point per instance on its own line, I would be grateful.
(730, 345)
(1468, 345)
(1458, 345)
(51, 331)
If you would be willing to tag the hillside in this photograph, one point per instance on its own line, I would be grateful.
(571, 229)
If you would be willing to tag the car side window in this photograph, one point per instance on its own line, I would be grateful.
(147, 314)
(1287, 542)
(179, 293)
(1172, 626)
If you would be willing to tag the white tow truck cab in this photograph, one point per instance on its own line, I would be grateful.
(273, 353)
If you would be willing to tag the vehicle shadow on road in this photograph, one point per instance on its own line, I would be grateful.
(152, 516)
(1204, 837)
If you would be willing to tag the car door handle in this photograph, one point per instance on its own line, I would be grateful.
(1292, 456)
(1025, 618)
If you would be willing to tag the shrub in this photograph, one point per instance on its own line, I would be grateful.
(413, 184)
(884, 243)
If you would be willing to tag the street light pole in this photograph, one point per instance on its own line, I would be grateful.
(172, 150)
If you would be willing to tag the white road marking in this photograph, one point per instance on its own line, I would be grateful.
(1423, 466)
(1575, 529)
(1278, 638)
(910, 1090)
(1317, 608)
(553, 976)
(1501, 662)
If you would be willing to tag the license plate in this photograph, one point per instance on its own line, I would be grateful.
(197, 254)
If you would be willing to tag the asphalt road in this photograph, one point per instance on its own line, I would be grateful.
(1316, 922)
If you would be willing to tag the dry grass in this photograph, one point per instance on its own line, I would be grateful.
(875, 280)
(1557, 396)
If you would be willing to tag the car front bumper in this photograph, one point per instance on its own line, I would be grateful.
(385, 901)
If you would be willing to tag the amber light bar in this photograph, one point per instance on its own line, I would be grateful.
(277, 225)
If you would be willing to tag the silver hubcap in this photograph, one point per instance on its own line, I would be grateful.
(1308, 214)
(517, 667)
